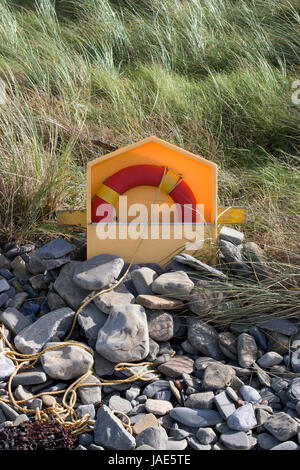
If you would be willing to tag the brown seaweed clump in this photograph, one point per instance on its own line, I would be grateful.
(37, 436)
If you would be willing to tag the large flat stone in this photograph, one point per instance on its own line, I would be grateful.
(54, 324)
(98, 272)
(235, 440)
(196, 418)
(280, 325)
(174, 284)
(55, 249)
(207, 270)
(176, 366)
(156, 302)
(282, 426)
(37, 265)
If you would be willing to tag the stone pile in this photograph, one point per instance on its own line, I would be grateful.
(220, 388)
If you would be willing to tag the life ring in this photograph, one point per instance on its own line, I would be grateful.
(143, 175)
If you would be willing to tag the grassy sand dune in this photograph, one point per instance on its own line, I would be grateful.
(212, 76)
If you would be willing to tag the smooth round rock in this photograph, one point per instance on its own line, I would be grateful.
(250, 394)
(174, 284)
(266, 441)
(196, 418)
(288, 445)
(151, 389)
(270, 359)
(67, 362)
(173, 444)
(158, 407)
(201, 400)
(55, 249)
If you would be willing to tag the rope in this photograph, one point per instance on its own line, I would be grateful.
(65, 413)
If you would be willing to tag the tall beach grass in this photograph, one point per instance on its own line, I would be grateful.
(212, 76)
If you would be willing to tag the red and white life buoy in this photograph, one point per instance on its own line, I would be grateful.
(143, 175)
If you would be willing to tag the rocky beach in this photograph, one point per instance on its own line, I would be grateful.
(197, 386)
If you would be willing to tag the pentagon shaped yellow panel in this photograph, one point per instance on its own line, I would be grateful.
(139, 179)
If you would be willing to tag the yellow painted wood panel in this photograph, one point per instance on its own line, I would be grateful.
(226, 215)
(148, 250)
(75, 217)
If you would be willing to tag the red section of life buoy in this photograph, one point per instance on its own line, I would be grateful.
(136, 175)
(143, 175)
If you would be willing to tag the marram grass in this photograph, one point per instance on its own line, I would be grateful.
(212, 76)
